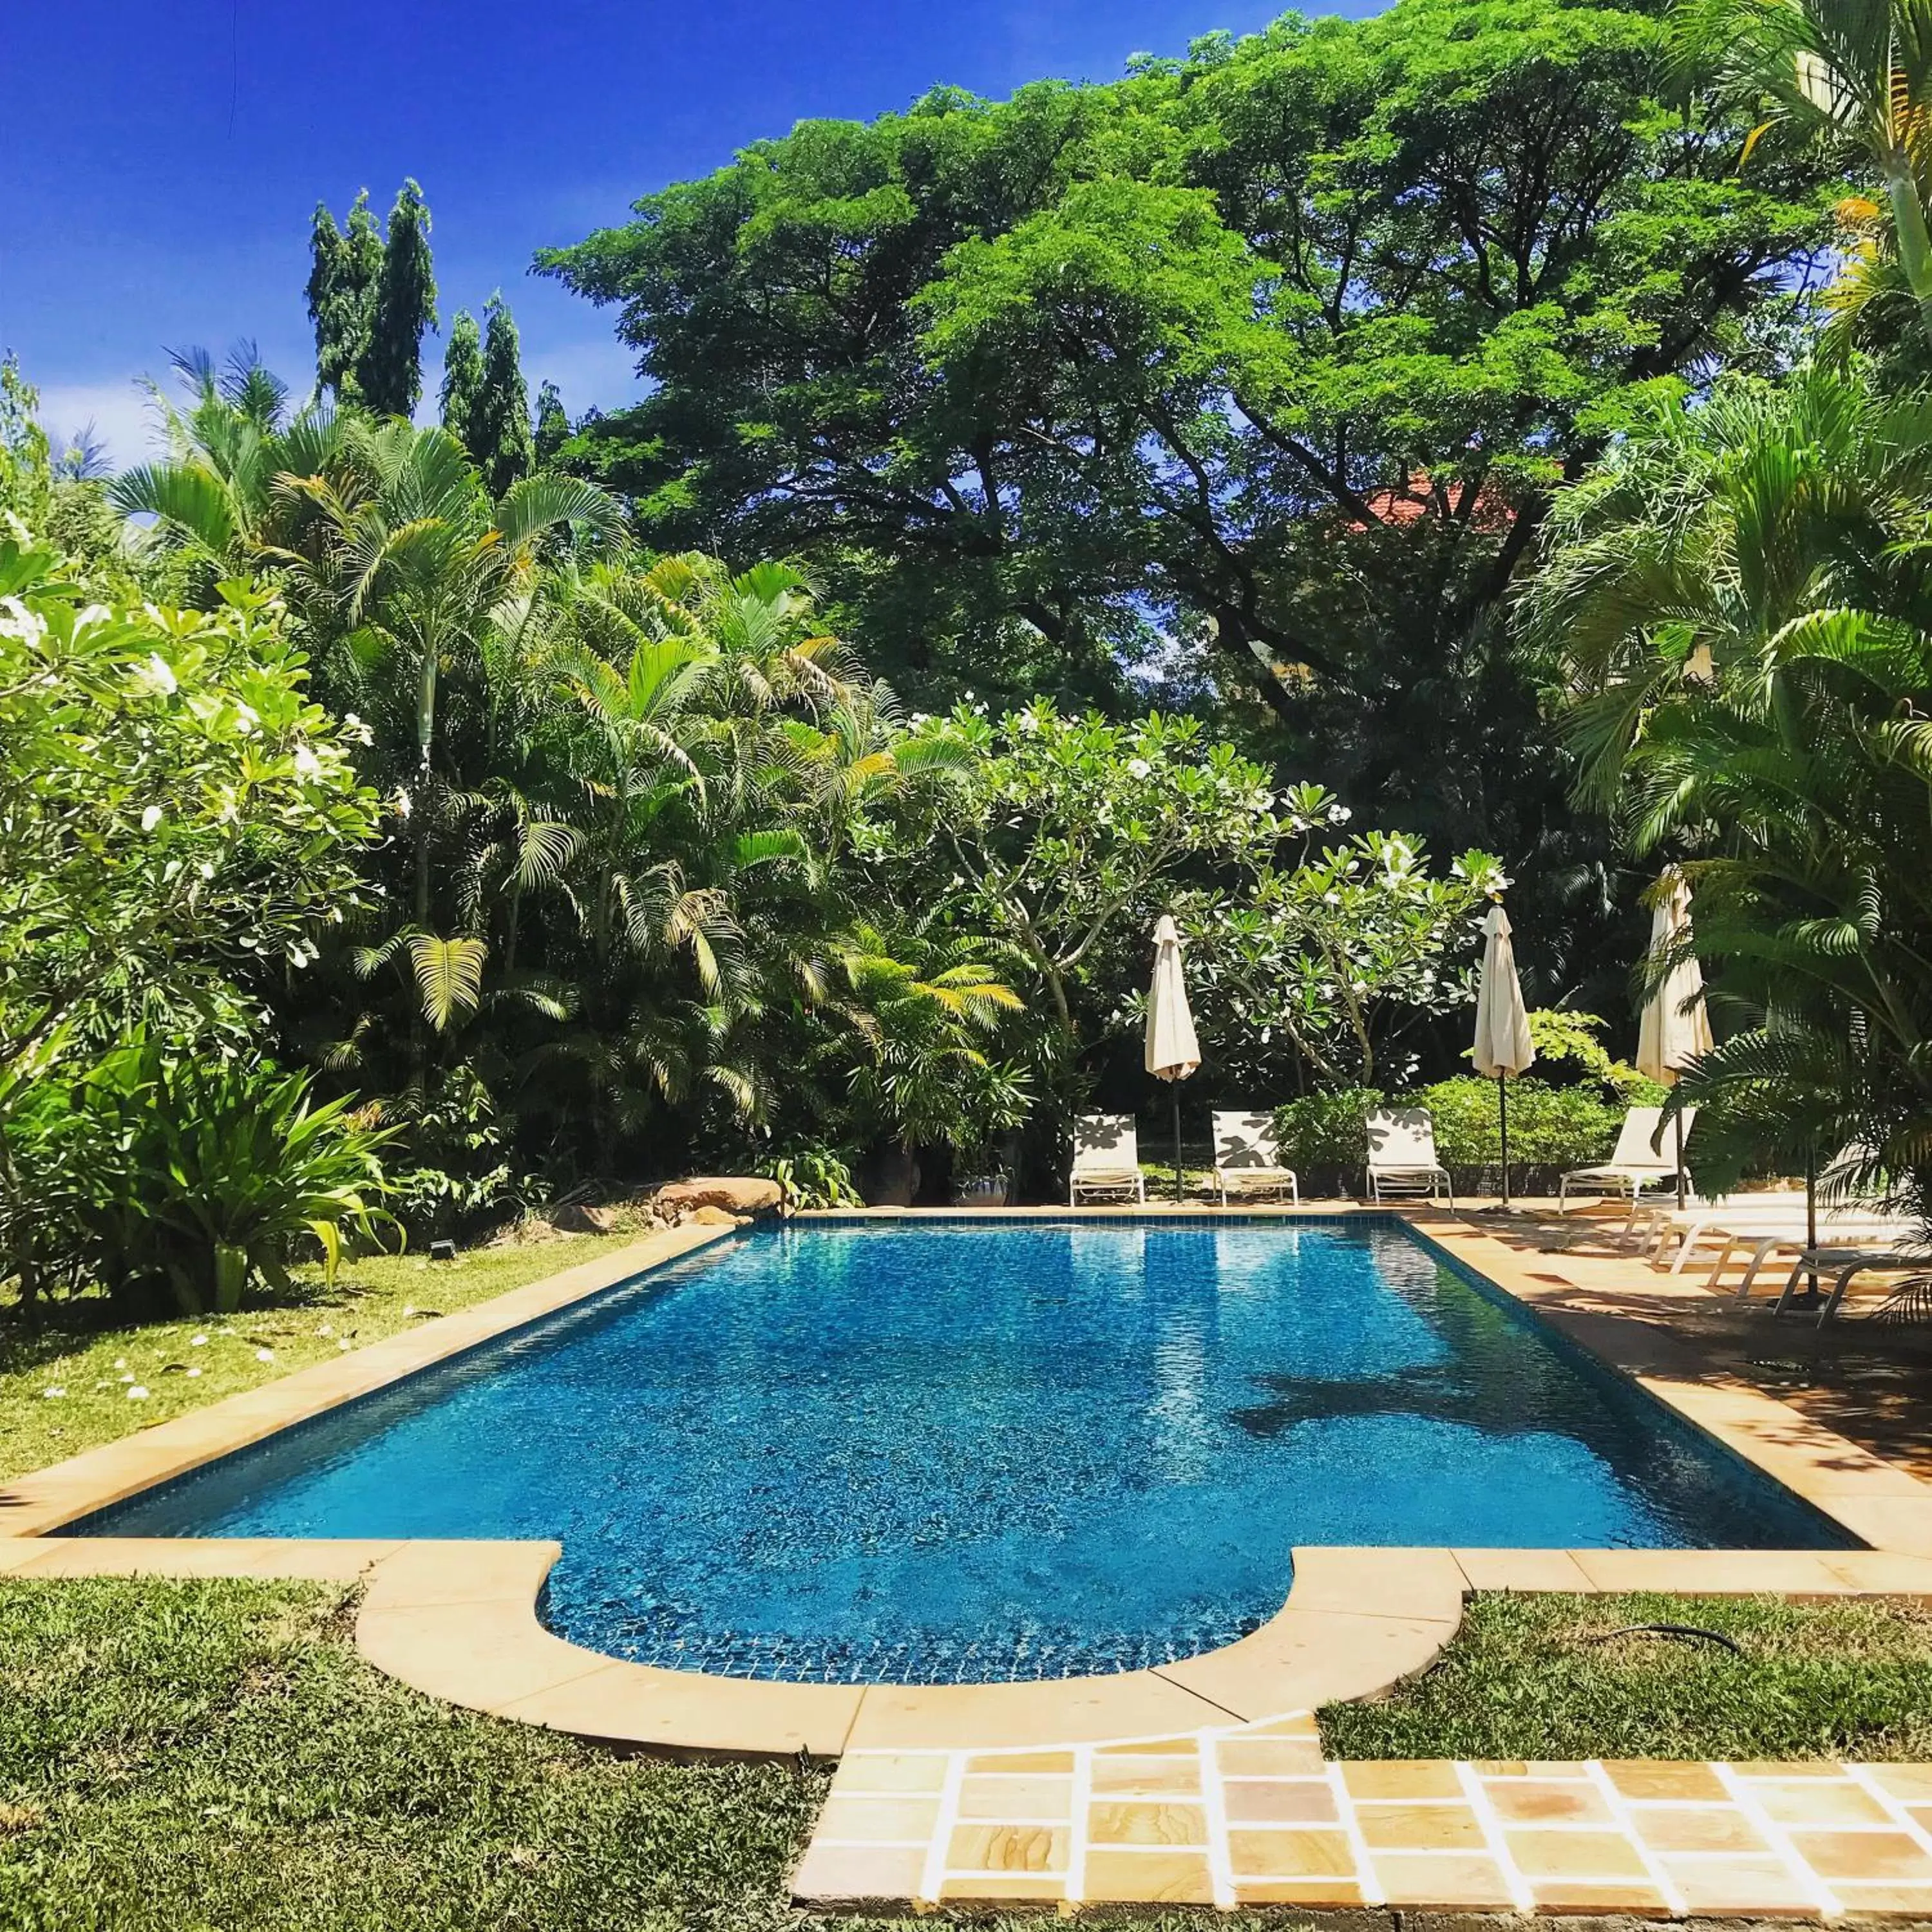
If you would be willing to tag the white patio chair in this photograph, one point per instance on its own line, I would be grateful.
(1106, 1160)
(1635, 1163)
(1247, 1162)
(1402, 1155)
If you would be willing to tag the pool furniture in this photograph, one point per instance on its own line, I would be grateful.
(1401, 1154)
(1762, 1224)
(1106, 1160)
(1844, 1263)
(1247, 1162)
(1637, 1161)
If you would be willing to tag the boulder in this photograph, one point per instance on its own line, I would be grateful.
(581, 1218)
(736, 1194)
(709, 1216)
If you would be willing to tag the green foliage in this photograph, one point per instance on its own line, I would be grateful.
(1526, 1676)
(811, 1175)
(1741, 595)
(344, 271)
(462, 380)
(1549, 1126)
(500, 439)
(188, 1179)
(553, 428)
(389, 372)
(1560, 1035)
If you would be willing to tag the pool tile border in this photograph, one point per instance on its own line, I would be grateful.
(460, 1620)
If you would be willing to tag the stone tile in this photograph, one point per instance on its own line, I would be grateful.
(1570, 1895)
(1006, 1718)
(1718, 1573)
(1419, 1828)
(1267, 1757)
(1334, 1893)
(1882, 1572)
(1163, 1877)
(858, 1875)
(1032, 1763)
(1575, 1854)
(1152, 1776)
(1870, 1855)
(1537, 1801)
(1443, 1879)
(1037, 1800)
(1385, 1582)
(1900, 1524)
(1008, 1848)
(878, 1820)
(1258, 1854)
(1303, 1800)
(996, 1885)
(1187, 1746)
(1820, 1768)
(1306, 1658)
(1117, 1824)
(1817, 1800)
(1554, 1570)
(1726, 1885)
(426, 1575)
(890, 1772)
(1296, 1724)
(1910, 1781)
(1399, 1778)
(1663, 1778)
(1912, 1901)
(1701, 1828)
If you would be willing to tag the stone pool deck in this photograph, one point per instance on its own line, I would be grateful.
(1168, 1783)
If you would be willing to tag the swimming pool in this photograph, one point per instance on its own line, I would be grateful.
(945, 1451)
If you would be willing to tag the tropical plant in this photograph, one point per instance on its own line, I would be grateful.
(200, 1176)
(810, 1174)
(1742, 595)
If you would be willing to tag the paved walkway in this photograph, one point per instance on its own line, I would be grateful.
(1252, 1814)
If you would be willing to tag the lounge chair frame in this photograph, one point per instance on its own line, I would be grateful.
(1106, 1160)
(1417, 1178)
(1236, 1133)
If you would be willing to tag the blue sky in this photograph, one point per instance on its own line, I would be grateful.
(158, 183)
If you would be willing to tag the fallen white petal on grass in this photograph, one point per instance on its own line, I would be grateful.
(137, 1394)
(55, 1393)
(265, 1355)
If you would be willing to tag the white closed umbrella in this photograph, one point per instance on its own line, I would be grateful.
(1673, 1028)
(1172, 1052)
(1503, 1048)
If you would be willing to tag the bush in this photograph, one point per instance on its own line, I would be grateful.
(182, 1181)
(1550, 1127)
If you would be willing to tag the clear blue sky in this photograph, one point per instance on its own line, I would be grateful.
(158, 177)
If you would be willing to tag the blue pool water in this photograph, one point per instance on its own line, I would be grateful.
(921, 1454)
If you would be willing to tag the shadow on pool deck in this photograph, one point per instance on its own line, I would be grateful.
(1871, 1384)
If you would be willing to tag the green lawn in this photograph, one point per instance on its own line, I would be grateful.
(177, 1757)
(79, 1350)
(1522, 1680)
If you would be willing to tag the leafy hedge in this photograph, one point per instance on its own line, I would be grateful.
(1552, 1127)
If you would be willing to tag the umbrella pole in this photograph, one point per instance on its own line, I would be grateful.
(1811, 1209)
(1177, 1143)
(1679, 1124)
(1502, 1123)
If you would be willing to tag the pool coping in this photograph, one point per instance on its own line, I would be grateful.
(459, 1619)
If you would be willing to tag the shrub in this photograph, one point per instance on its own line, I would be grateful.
(1549, 1126)
(811, 1175)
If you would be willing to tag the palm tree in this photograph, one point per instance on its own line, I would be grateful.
(1740, 597)
(1849, 74)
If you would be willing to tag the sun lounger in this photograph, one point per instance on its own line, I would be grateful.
(1402, 1155)
(1845, 1265)
(1635, 1163)
(1247, 1162)
(1106, 1160)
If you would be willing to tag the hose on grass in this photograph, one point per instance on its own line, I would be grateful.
(1676, 1633)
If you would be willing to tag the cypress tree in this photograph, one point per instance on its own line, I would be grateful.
(343, 271)
(390, 369)
(553, 430)
(463, 381)
(502, 415)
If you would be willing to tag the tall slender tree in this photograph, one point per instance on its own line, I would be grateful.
(389, 372)
(553, 430)
(462, 380)
(344, 268)
(501, 441)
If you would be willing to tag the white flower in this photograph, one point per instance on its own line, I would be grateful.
(125, 1377)
(137, 1394)
(308, 765)
(265, 1355)
(120, 1361)
(324, 1329)
(407, 1310)
(195, 1371)
(342, 1345)
(402, 802)
(156, 675)
(55, 1393)
(197, 1341)
(1139, 767)
(151, 818)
